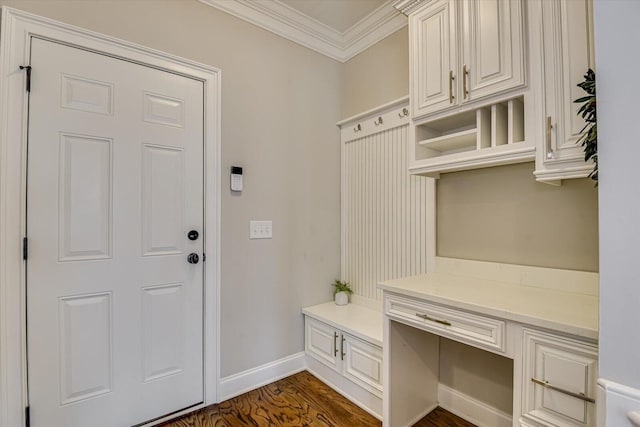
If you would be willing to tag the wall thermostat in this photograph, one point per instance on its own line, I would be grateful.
(236, 178)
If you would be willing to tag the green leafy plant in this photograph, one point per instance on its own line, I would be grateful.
(340, 286)
(589, 138)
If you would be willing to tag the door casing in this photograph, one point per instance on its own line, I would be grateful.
(16, 29)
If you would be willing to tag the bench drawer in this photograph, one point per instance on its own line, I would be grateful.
(469, 328)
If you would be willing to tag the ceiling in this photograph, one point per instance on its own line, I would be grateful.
(337, 14)
(339, 29)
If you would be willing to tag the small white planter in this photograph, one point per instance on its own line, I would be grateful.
(342, 298)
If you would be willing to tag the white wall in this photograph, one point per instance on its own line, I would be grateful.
(617, 36)
(280, 103)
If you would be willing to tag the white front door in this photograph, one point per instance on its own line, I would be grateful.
(114, 186)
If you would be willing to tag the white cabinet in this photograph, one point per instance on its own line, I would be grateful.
(433, 57)
(559, 380)
(462, 51)
(321, 342)
(565, 47)
(492, 47)
(355, 359)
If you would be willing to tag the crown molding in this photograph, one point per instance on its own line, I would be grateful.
(408, 6)
(291, 24)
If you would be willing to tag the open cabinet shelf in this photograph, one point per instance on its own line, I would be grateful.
(488, 136)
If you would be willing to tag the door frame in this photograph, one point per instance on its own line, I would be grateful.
(16, 29)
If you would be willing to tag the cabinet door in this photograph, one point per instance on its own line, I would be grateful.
(567, 55)
(559, 379)
(433, 49)
(362, 363)
(321, 342)
(492, 47)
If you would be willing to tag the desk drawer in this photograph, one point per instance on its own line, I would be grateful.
(469, 328)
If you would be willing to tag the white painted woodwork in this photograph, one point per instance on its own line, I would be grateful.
(570, 311)
(85, 180)
(550, 334)
(463, 51)
(86, 95)
(363, 363)
(348, 339)
(86, 346)
(115, 336)
(163, 110)
(566, 53)
(17, 31)
(382, 118)
(469, 328)
(388, 227)
(411, 359)
(491, 135)
(472, 409)
(163, 195)
(322, 342)
(493, 49)
(163, 318)
(357, 320)
(358, 360)
(617, 404)
(566, 363)
(433, 41)
(290, 23)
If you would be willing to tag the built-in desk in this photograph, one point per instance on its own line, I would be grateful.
(546, 320)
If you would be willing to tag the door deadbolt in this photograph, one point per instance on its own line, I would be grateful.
(193, 258)
(193, 235)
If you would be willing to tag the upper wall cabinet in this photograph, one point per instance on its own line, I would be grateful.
(463, 51)
(565, 48)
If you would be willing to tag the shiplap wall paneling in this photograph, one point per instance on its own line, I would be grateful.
(388, 219)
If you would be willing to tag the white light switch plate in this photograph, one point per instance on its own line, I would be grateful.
(260, 229)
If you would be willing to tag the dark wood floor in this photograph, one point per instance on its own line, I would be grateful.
(298, 400)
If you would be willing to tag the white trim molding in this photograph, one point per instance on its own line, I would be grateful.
(242, 382)
(618, 404)
(294, 25)
(17, 29)
(471, 409)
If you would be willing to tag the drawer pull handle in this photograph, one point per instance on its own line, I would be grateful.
(548, 138)
(580, 396)
(465, 76)
(335, 344)
(431, 319)
(342, 353)
(451, 79)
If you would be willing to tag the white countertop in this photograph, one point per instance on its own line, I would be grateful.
(357, 320)
(558, 310)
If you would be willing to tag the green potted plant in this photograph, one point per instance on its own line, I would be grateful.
(341, 292)
(589, 138)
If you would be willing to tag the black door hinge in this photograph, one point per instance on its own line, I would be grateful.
(204, 257)
(27, 416)
(25, 248)
(28, 68)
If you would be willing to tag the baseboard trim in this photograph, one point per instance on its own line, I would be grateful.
(421, 415)
(242, 382)
(617, 404)
(471, 409)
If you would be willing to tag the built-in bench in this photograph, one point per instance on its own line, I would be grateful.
(344, 349)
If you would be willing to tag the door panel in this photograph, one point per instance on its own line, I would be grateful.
(163, 200)
(433, 47)
(86, 345)
(493, 48)
(115, 182)
(85, 197)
